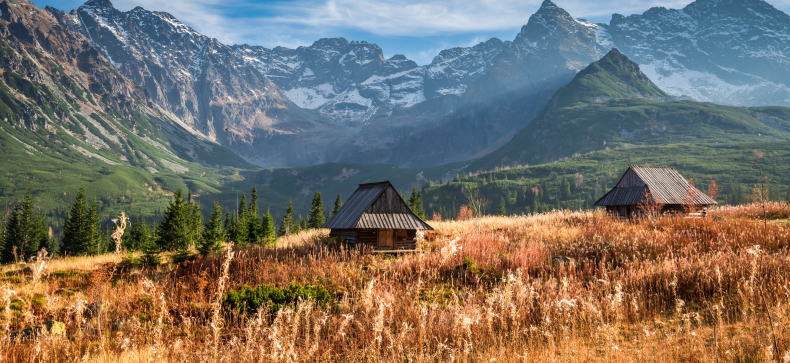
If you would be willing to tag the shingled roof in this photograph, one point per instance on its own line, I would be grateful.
(359, 210)
(665, 185)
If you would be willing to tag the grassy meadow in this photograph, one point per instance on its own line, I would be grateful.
(559, 286)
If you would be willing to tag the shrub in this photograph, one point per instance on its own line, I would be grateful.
(17, 305)
(39, 301)
(469, 265)
(248, 299)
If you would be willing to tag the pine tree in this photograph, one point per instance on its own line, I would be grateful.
(213, 234)
(80, 227)
(26, 232)
(12, 232)
(134, 241)
(415, 203)
(302, 224)
(231, 226)
(195, 215)
(501, 210)
(147, 243)
(93, 220)
(338, 205)
(174, 231)
(242, 233)
(316, 217)
(253, 218)
(42, 235)
(288, 220)
(566, 189)
(267, 228)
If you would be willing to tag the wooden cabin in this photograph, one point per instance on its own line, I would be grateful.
(376, 216)
(645, 185)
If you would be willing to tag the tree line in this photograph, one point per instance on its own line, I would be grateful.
(181, 230)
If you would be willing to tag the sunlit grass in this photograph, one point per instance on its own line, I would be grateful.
(482, 290)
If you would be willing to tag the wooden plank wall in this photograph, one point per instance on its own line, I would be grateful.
(388, 202)
(404, 239)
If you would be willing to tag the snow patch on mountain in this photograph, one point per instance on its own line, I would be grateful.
(602, 37)
(310, 98)
(708, 87)
(338, 78)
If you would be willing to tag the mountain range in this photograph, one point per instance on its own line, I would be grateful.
(338, 101)
(138, 104)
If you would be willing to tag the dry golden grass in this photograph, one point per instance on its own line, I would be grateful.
(678, 290)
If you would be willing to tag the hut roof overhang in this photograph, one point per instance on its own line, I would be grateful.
(647, 184)
(356, 212)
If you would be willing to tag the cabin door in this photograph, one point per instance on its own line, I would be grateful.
(386, 238)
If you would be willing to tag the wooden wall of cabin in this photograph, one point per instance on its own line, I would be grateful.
(389, 202)
(403, 239)
(632, 211)
(349, 235)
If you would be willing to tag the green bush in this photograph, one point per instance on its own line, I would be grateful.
(469, 265)
(248, 299)
(17, 305)
(39, 301)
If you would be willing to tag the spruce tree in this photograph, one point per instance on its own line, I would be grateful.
(242, 233)
(566, 189)
(253, 218)
(197, 222)
(80, 227)
(174, 231)
(195, 215)
(415, 203)
(28, 235)
(338, 205)
(213, 234)
(12, 232)
(288, 220)
(267, 228)
(147, 243)
(316, 217)
(93, 220)
(136, 234)
(501, 210)
(302, 224)
(43, 237)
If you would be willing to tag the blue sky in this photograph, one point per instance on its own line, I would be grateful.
(419, 29)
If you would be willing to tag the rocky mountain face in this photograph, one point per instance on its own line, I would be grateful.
(352, 83)
(725, 51)
(202, 83)
(550, 49)
(63, 103)
(343, 101)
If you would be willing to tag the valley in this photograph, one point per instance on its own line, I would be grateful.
(134, 105)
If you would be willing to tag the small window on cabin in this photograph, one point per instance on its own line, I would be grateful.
(401, 233)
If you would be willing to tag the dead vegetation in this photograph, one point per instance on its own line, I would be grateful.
(562, 286)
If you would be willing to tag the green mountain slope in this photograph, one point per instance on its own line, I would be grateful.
(576, 183)
(612, 105)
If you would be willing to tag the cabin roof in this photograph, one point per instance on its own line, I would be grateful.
(354, 212)
(664, 184)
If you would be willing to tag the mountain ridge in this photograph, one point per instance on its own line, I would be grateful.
(612, 104)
